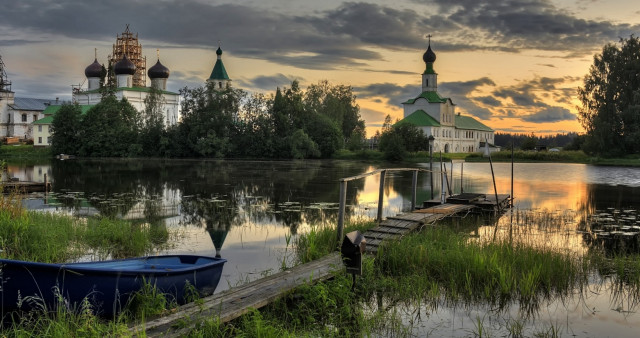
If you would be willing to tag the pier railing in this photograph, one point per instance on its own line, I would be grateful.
(382, 173)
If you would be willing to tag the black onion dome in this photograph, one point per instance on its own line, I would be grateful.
(158, 71)
(219, 51)
(124, 66)
(93, 70)
(429, 55)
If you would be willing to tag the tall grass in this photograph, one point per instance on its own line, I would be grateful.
(48, 237)
(321, 240)
(496, 272)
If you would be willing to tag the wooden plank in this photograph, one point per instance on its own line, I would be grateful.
(379, 235)
(398, 223)
(235, 302)
(416, 217)
(389, 230)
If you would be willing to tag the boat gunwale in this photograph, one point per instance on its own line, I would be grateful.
(80, 267)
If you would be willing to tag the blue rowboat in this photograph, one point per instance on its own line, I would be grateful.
(107, 285)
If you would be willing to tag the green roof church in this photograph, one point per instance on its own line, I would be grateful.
(436, 116)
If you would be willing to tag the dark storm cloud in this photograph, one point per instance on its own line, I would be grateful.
(550, 114)
(460, 93)
(348, 36)
(269, 83)
(488, 101)
(530, 94)
(531, 24)
(393, 94)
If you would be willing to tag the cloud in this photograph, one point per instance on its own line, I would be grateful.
(550, 114)
(269, 82)
(530, 24)
(392, 94)
(488, 101)
(461, 95)
(322, 39)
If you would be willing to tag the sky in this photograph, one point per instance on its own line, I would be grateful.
(515, 65)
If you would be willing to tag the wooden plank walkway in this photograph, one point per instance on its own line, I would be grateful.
(395, 227)
(235, 302)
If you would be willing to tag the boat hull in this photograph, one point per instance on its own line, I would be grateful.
(106, 285)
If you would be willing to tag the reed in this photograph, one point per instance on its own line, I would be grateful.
(321, 239)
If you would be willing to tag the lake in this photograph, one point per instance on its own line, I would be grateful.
(245, 210)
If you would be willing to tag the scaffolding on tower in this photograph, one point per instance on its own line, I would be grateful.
(128, 44)
(5, 84)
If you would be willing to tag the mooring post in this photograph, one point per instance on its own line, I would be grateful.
(442, 177)
(511, 171)
(461, 177)
(381, 195)
(493, 176)
(431, 164)
(414, 190)
(343, 201)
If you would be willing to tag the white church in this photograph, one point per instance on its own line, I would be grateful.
(436, 116)
(128, 67)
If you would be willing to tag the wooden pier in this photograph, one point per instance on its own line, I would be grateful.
(25, 186)
(237, 301)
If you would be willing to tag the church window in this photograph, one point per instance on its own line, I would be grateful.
(24, 117)
(35, 117)
(39, 128)
(39, 140)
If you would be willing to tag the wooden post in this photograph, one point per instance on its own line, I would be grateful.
(442, 177)
(381, 195)
(461, 177)
(495, 189)
(46, 187)
(431, 167)
(414, 190)
(343, 201)
(511, 171)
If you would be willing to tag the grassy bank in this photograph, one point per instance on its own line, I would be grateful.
(14, 152)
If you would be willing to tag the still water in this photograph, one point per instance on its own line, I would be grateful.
(244, 211)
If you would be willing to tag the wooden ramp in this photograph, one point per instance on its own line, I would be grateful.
(235, 302)
(400, 225)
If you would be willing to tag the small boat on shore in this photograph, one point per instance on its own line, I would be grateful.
(107, 285)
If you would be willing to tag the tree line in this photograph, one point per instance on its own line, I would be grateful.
(227, 123)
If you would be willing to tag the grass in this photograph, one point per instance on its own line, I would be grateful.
(442, 266)
(24, 152)
(54, 238)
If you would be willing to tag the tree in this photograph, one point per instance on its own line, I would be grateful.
(610, 97)
(529, 143)
(110, 129)
(336, 102)
(208, 122)
(153, 138)
(66, 127)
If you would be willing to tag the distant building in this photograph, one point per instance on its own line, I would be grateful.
(17, 113)
(436, 116)
(124, 74)
(219, 77)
